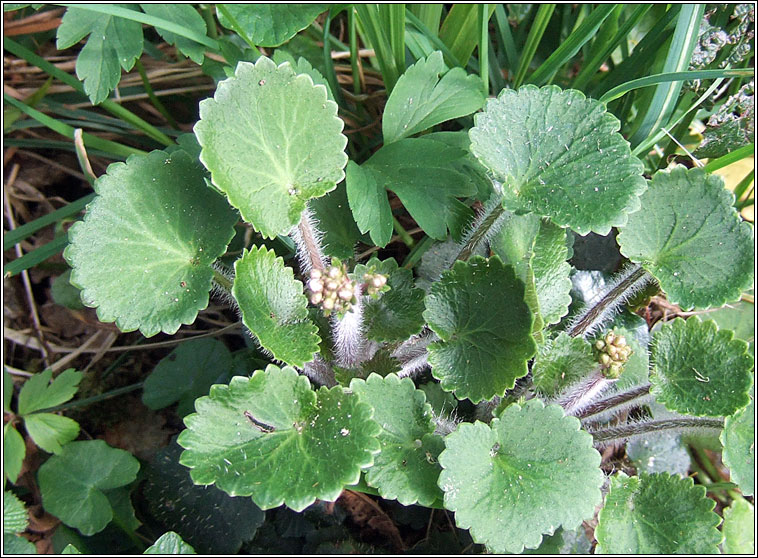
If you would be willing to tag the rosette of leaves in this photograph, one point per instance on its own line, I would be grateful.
(165, 227)
(700, 370)
(484, 329)
(273, 438)
(407, 468)
(657, 514)
(272, 141)
(520, 477)
(559, 155)
(689, 236)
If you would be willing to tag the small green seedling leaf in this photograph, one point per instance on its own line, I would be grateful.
(14, 451)
(268, 25)
(38, 392)
(165, 227)
(700, 370)
(65, 294)
(561, 362)
(51, 432)
(71, 549)
(207, 518)
(559, 155)
(739, 528)
(74, 490)
(428, 94)
(186, 16)
(114, 43)
(425, 175)
(16, 544)
(170, 543)
(273, 306)
(273, 438)
(657, 514)
(272, 141)
(520, 477)
(406, 470)
(738, 439)
(186, 374)
(485, 329)
(690, 237)
(396, 314)
(15, 519)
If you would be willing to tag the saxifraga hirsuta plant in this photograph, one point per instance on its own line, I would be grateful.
(493, 325)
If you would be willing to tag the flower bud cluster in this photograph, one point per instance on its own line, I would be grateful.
(332, 289)
(375, 283)
(613, 353)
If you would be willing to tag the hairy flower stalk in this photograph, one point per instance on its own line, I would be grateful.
(483, 227)
(627, 432)
(319, 372)
(223, 281)
(584, 392)
(347, 332)
(626, 283)
(616, 403)
(307, 238)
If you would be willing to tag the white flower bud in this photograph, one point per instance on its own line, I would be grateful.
(334, 272)
(332, 285)
(599, 344)
(315, 273)
(316, 298)
(345, 294)
(316, 285)
(605, 360)
(620, 341)
(328, 304)
(378, 281)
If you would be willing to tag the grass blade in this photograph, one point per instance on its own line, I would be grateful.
(572, 44)
(505, 38)
(433, 38)
(460, 30)
(484, 47)
(678, 58)
(729, 158)
(36, 256)
(532, 41)
(11, 238)
(428, 14)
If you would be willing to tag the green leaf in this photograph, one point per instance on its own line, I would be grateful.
(51, 432)
(657, 514)
(185, 15)
(396, 314)
(303, 66)
(39, 393)
(273, 306)
(738, 317)
(510, 483)
(165, 227)
(425, 176)
(73, 490)
(272, 141)
(114, 43)
(65, 294)
(207, 518)
(15, 519)
(14, 451)
(738, 439)
(120, 500)
(336, 222)
(268, 25)
(8, 388)
(369, 203)
(659, 452)
(406, 470)
(739, 528)
(271, 437)
(170, 543)
(558, 154)
(485, 329)
(690, 237)
(700, 370)
(561, 362)
(15, 544)
(428, 94)
(186, 374)
(70, 549)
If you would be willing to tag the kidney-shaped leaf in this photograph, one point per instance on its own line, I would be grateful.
(559, 154)
(273, 306)
(407, 468)
(73, 483)
(690, 237)
(421, 99)
(272, 141)
(478, 310)
(273, 438)
(657, 514)
(170, 543)
(521, 477)
(143, 253)
(700, 370)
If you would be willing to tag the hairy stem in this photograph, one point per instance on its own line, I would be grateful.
(629, 281)
(483, 227)
(222, 281)
(627, 431)
(307, 238)
(578, 396)
(615, 402)
(348, 334)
